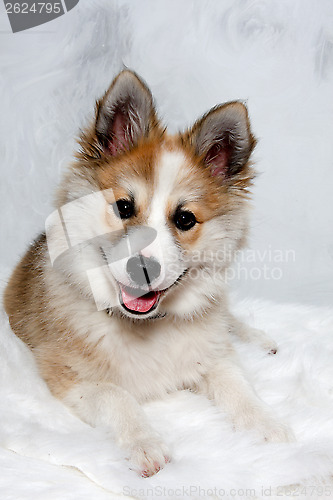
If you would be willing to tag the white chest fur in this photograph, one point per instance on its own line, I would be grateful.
(151, 359)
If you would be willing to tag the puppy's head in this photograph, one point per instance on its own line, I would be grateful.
(152, 219)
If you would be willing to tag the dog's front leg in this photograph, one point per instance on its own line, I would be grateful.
(110, 406)
(226, 385)
(251, 335)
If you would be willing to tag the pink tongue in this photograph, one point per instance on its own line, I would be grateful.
(139, 304)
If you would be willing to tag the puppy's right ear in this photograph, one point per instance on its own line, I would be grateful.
(125, 114)
(223, 140)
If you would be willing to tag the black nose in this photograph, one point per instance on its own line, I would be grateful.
(143, 270)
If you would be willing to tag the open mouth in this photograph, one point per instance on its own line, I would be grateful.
(136, 301)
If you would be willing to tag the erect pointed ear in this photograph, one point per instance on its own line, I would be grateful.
(125, 114)
(222, 138)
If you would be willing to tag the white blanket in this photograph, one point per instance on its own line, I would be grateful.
(47, 453)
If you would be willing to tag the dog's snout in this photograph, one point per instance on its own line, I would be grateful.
(143, 270)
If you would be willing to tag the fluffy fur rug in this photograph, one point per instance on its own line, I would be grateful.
(48, 453)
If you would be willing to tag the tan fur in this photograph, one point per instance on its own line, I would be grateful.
(103, 365)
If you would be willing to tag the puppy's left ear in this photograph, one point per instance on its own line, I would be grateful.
(125, 114)
(222, 138)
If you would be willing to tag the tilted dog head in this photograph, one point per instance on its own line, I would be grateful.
(147, 216)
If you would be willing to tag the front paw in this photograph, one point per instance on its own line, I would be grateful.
(263, 341)
(149, 456)
(270, 429)
(275, 432)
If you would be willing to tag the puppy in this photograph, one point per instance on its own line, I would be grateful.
(123, 299)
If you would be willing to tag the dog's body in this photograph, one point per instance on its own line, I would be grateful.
(121, 301)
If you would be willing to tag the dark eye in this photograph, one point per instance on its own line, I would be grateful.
(124, 208)
(184, 220)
